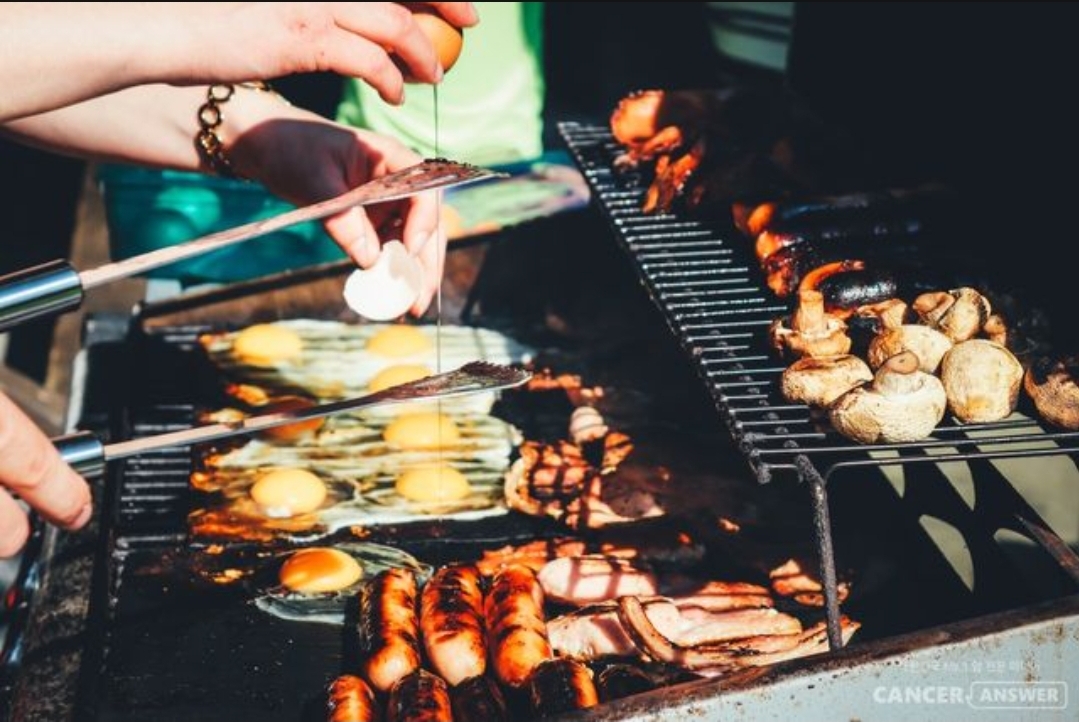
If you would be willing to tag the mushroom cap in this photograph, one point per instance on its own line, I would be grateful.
(927, 343)
(888, 313)
(959, 314)
(818, 381)
(902, 404)
(1052, 387)
(981, 379)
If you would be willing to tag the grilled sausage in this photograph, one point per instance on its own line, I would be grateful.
(389, 633)
(926, 202)
(419, 697)
(869, 233)
(349, 699)
(478, 699)
(451, 621)
(561, 685)
(516, 630)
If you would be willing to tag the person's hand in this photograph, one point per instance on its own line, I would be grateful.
(361, 40)
(31, 468)
(304, 158)
(57, 54)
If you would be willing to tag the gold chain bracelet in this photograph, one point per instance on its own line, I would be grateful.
(208, 142)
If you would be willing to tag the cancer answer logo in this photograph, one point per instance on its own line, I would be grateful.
(1018, 695)
(979, 695)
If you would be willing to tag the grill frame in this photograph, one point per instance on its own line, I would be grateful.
(717, 305)
(1043, 630)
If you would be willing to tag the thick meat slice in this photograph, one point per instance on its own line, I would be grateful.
(594, 578)
(597, 631)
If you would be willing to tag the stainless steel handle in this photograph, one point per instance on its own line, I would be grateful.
(83, 451)
(88, 455)
(43, 290)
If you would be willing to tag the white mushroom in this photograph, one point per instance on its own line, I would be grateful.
(928, 344)
(818, 381)
(959, 313)
(889, 313)
(811, 330)
(901, 404)
(981, 380)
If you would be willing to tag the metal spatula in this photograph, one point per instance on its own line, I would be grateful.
(85, 452)
(55, 287)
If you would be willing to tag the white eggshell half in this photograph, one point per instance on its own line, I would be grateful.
(387, 289)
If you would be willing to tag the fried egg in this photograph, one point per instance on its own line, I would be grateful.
(288, 492)
(398, 341)
(267, 344)
(316, 584)
(397, 375)
(433, 483)
(291, 432)
(319, 569)
(423, 430)
(360, 469)
(339, 360)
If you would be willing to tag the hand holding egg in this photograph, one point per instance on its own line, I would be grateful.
(446, 38)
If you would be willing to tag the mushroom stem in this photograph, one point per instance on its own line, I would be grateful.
(809, 317)
(904, 362)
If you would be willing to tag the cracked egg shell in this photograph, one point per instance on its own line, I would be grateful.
(387, 289)
(447, 39)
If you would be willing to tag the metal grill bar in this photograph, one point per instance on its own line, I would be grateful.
(707, 286)
(153, 490)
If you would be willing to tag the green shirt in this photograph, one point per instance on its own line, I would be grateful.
(490, 103)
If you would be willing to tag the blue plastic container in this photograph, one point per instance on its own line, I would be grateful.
(148, 209)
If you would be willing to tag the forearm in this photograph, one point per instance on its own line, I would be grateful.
(153, 125)
(53, 54)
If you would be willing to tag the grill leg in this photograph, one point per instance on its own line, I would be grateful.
(822, 528)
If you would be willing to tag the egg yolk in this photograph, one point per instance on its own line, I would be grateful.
(395, 375)
(319, 569)
(291, 432)
(433, 483)
(399, 340)
(288, 492)
(427, 430)
(266, 344)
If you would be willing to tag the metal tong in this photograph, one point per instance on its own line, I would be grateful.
(88, 455)
(55, 287)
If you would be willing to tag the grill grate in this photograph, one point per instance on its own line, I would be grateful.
(153, 489)
(713, 298)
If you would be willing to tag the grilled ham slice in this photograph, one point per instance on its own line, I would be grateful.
(597, 631)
